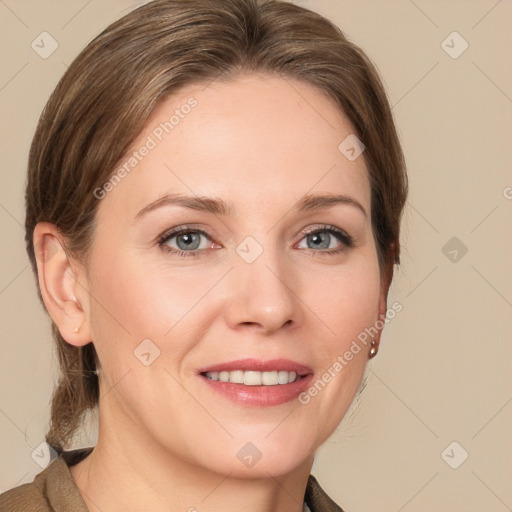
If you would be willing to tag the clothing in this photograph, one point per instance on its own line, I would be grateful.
(54, 490)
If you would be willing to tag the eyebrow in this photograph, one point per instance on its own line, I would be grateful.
(220, 207)
(312, 202)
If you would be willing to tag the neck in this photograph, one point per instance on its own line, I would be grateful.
(128, 471)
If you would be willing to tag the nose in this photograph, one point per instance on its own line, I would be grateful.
(263, 295)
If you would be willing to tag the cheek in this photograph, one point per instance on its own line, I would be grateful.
(134, 301)
(350, 303)
(350, 309)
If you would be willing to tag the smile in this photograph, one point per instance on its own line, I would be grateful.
(254, 378)
(254, 382)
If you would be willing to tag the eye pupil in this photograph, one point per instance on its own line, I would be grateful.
(188, 239)
(320, 239)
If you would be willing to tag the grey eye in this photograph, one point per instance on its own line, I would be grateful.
(187, 241)
(319, 240)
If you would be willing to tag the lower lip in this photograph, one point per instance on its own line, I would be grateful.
(260, 396)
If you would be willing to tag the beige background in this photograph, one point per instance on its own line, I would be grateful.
(444, 370)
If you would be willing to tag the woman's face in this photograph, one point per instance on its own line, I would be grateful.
(262, 278)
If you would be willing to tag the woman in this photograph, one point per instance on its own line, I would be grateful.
(213, 209)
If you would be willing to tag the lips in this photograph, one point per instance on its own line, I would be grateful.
(260, 386)
(258, 365)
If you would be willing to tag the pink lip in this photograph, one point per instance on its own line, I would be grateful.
(258, 365)
(259, 396)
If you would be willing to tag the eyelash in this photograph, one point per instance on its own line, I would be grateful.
(343, 237)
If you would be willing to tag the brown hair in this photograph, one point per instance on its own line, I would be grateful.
(103, 100)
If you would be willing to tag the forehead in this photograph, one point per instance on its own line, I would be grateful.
(257, 137)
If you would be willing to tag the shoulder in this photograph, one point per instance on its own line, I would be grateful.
(52, 489)
(317, 499)
(27, 497)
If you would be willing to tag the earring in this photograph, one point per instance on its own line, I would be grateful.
(373, 350)
(76, 329)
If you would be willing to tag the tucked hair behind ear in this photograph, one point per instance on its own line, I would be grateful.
(103, 100)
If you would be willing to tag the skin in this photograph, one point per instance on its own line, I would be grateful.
(166, 441)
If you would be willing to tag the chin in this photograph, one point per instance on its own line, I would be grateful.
(259, 456)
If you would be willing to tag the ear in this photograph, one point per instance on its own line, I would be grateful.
(64, 292)
(385, 283)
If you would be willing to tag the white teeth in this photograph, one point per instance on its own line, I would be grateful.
(236, 377)
(252, 378)
(269, 378)
(282, 377)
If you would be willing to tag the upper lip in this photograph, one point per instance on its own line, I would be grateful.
(259, 365)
